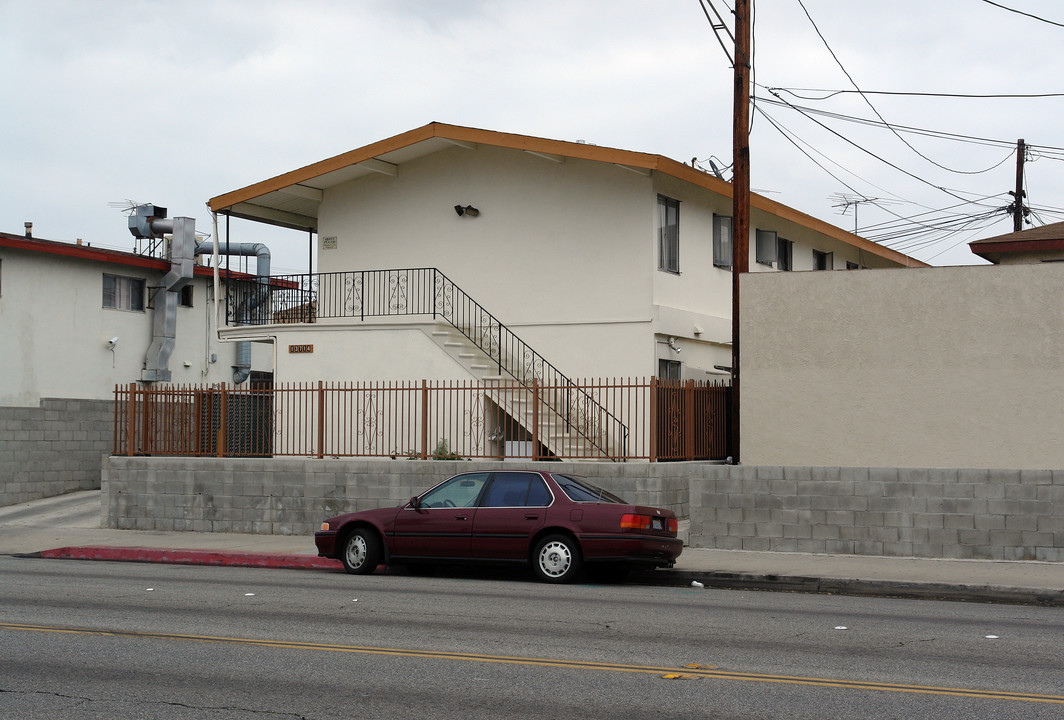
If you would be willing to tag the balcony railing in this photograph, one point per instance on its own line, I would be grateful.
(427, 292)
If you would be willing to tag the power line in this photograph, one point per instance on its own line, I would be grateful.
(796, 92)
(869, 102)
(1020, 12)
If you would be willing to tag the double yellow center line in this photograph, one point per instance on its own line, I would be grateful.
(687, 672)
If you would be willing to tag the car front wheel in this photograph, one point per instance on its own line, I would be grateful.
(556, 559)
(362, 552)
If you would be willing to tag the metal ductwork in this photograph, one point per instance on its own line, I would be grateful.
(242, 368)
(149, 221)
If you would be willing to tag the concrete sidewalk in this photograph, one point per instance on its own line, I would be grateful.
(68, 527)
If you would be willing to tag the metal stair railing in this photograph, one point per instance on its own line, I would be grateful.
(427, 291)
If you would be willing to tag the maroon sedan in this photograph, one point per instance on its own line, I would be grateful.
(555, 522)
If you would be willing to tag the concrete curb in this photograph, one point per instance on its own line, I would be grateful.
(958, 592)
(192, 557)
(667, 578)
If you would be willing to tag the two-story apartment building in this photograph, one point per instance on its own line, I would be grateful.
(607, 262)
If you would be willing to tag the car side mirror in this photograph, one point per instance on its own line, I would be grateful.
(415, 503)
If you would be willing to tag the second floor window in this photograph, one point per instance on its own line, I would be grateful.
(668, 234)
(123, 293)
(722, 241)
(822, 260)
(784, 251)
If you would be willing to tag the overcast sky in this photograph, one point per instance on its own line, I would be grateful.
(176, 102)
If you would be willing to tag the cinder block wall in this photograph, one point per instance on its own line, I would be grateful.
(54, 448)
(987, 514)
(994, 514)
(292, 496)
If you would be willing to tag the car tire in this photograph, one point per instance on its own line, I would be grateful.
(361, 552)
(557, 559)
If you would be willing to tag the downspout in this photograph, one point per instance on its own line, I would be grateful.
(242, 367)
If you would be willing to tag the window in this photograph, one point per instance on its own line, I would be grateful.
(461, 491)
(784, 254)
(668, 234)
(123, 293)
(822, 260)
(722, 241)
(850, 265)
(580, 490)
(185, 300)
(516, 489)
(766, 242)
(669, 369)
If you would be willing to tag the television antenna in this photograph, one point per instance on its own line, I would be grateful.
(847, 200)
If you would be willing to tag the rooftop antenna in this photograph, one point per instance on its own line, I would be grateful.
(846, 200)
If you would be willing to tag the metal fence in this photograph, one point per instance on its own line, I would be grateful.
(666, 420)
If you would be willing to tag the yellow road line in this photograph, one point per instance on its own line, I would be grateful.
(683, 672)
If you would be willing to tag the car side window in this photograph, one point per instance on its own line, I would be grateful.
(516, 489)
(460, 491)
(507, 489)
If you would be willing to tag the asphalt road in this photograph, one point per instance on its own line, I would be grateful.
(121, 640)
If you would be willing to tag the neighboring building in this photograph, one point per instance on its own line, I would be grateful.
(606, 262)
(1040, 244)
(75, 321)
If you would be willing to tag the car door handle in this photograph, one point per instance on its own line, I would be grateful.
(531, 517)
(461, 517)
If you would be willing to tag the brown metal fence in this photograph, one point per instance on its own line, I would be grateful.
(650, 420)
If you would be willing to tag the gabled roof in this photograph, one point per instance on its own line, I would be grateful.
(87, 252)
(291, 200)
(1047, 238)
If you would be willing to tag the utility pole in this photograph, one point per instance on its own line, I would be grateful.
(1018, 209)
(740, 194)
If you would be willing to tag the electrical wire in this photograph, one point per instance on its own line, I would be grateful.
(1020, 12)
(796, 92)
(869, 102)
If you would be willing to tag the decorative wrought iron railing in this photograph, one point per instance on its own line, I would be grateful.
(426, 291)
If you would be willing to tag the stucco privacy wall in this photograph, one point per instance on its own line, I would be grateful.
(54, 448)
(292, 496)
(864, 511)
(957, 367)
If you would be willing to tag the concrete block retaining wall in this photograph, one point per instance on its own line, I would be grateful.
(292, 496)
(985, 514)
(54, 448)
(995, 514)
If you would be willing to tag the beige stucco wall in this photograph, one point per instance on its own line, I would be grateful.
(53, 332)
(944, 367)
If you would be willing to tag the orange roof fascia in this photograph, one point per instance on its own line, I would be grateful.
(565, 148)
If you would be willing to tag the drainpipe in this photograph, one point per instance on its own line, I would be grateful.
(242, 368)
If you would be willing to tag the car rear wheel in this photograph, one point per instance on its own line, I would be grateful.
(362, 552)
(556, 559)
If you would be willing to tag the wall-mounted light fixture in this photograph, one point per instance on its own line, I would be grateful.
(466, 210)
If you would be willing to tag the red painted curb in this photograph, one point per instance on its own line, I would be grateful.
(194, 557)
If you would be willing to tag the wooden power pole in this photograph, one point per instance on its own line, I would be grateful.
(1017, 205)
(740, 195)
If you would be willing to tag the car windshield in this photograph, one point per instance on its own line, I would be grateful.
(580, 490)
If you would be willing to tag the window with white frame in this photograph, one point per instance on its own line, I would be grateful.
(722, 241)
(784, 254)
(668, 234)
(123, 293)
(765, 240)
(822, 260)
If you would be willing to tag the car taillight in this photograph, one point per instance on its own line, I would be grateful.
(325, 526)
(630, 521)
(673, 526)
